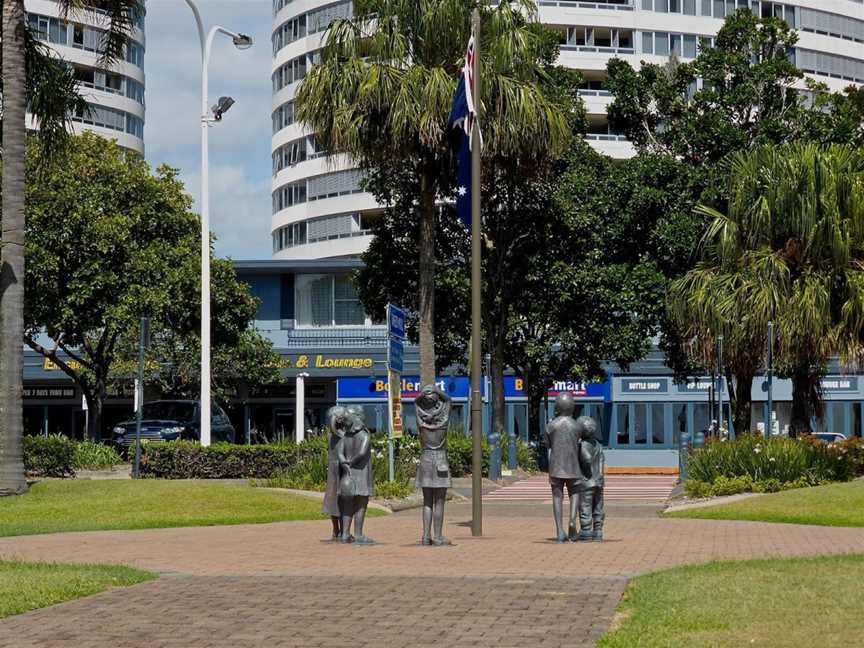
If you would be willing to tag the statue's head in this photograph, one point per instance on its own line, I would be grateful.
(565, 405)
(587, 427)
(356, 412)
(428, 397)
(336, 418)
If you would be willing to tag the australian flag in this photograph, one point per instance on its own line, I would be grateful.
(461, 122)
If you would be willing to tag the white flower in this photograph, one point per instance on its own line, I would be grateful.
(771, 459)
(757, 449)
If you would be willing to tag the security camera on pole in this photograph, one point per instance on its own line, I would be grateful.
(242, 42)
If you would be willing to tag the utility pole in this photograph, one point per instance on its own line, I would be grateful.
(476, 335)
(769, 424)
(719, 383)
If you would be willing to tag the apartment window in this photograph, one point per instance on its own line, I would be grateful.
(706, 7)
(689, 46)
(690, 7)
(661, 44)
(675, 44)
(327, 300)
(647, 42)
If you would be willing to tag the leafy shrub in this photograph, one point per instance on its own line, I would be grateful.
(731, 485)
(51, 456)
(394, 490)
(188, 460)
(854, 449)
(768, 486)
(95, 456)
(777, 458)
(697, 489)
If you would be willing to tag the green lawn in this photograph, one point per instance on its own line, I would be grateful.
(28, 586)
(71, 505)
(831, 505)
(777, 603)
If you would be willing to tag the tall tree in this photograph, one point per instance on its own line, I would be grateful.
(739, 92)
(109, 242)
(383, 90)
(28, 77)
(789, 248)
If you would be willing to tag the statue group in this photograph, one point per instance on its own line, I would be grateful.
(350, 481)
(577, 463)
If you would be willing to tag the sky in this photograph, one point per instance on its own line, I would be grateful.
(240, 144)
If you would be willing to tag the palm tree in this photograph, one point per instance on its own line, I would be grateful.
(29, 73)
(789, 248)
(383, 90)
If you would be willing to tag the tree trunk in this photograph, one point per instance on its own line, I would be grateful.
(426, 254)
(805, 395)
(12, 479)
(496, 370)
(95, 404)
(740, 395)
(534, 403)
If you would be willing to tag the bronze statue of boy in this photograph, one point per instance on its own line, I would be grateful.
(562, 439)
(593, 463)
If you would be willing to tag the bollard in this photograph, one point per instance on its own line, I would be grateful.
(494, 457)
(683, 455)
(699, 440)
(512, 461)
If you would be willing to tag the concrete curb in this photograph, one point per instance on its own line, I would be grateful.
(715, 501)
(414, 500)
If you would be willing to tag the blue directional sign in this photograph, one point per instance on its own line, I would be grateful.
(394, 355)
(395, 321)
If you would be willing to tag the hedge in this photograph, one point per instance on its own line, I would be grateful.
(51, 456)
(305, 464)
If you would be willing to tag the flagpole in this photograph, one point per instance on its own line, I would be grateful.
(476, 336)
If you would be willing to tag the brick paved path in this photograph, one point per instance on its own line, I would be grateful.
(273, 585)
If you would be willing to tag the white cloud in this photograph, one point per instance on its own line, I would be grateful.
(240, 145)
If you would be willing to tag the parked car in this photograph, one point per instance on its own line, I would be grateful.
(829, 437)
(170, 420)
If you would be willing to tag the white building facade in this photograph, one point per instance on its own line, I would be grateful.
(115, 97)
(319, 210)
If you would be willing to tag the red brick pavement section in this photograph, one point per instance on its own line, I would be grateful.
(245, 611)
(515, 543)
(282, 585)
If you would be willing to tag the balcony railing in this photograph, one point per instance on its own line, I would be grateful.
(328, 337)
(587, 5)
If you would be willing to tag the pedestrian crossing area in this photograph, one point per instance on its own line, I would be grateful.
(648, 488)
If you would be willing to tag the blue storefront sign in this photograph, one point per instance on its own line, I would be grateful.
(514, 388)
(644, 385)
(457, 387)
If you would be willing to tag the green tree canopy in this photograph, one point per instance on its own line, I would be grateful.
(107, 243)
(790, 248)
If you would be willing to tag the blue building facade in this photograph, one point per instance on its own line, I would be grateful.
(311, 313)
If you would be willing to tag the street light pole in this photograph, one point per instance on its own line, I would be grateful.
(241, 41)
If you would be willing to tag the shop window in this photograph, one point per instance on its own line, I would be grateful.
(346, 304)
(701, 418)
(640, 424)
(623, 422)
(658, 424)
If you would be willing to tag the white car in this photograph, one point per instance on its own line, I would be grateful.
(829, 437)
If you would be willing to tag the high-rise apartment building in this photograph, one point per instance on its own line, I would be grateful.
(115, 97)
(318, 208)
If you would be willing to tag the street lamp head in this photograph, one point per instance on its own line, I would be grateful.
(222, 106)
(243, 41)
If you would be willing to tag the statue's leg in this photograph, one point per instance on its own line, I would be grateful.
(573, 493)
(557, 502)
(337, 525)
(427, 516)
(439, 499)
(599, 513)
(586, 530)
(361, 504)
(346, 507)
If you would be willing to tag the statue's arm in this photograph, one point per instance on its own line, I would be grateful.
(585, 457)
(365, 450)
(442, 394)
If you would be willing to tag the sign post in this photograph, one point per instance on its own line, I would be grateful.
(143, 343)
(395, 366)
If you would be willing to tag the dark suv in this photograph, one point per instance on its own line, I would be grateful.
(170, 420)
